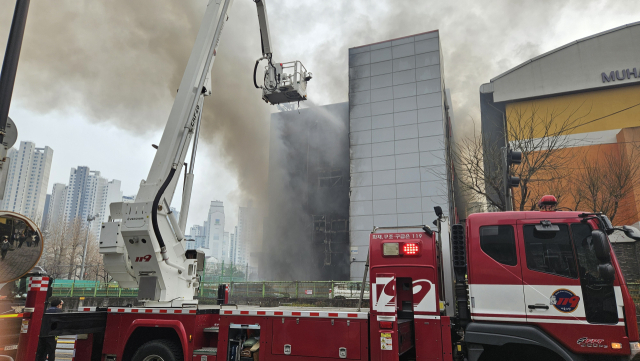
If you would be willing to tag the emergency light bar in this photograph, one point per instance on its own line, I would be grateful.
(390, 249)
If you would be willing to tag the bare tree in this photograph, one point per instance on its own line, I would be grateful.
(64, 247)
(556, 183)
(75, 237)
(605, 180)
(477, 182)
(94, 269)
(540, 135)
(55, 252)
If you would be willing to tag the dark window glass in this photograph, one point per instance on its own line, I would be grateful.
(550, 252)
(499, 243)
(587, 260)
(598, 294)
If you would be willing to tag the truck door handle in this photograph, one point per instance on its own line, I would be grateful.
(538, 305)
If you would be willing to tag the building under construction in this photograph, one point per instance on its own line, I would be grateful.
(306, 228)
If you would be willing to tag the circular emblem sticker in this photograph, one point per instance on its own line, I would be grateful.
(564, 300)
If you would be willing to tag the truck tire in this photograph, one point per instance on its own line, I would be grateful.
(158, 350)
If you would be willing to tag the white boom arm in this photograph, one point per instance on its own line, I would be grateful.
(263, 20)
(148, 241)
(145, 248)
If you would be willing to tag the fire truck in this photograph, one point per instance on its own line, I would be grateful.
(505, 286)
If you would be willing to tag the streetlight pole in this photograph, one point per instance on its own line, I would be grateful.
(86, 241)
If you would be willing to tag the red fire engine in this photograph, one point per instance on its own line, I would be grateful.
(511, 286)
(527, 285)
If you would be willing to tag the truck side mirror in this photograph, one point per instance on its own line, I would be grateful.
(606, 272)
(600, 246)
(631, 232)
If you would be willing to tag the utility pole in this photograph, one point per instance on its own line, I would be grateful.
(509, 157)
(8, 133)
(222, 276)
(86, 241)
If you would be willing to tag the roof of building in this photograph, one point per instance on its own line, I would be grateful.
(395, 39)
(566, 46)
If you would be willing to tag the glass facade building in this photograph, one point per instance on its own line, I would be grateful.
(399, 126)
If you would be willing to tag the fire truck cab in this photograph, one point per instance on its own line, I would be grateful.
(549, 281)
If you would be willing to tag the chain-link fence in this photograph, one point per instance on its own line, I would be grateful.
(237, 290)
(71, 288)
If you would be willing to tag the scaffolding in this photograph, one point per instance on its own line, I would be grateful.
(329, 178)
(328, 231)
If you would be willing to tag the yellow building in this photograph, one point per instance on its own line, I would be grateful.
(580, 104)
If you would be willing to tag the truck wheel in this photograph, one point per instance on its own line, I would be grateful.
(159, 350)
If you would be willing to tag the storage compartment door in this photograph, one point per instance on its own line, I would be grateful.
(316, 338)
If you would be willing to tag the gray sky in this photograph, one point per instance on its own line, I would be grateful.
(97, 78)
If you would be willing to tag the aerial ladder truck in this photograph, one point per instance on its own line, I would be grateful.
(504, 286)
(145, 246)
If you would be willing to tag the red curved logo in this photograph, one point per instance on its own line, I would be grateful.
(564, 300)
(420, 289)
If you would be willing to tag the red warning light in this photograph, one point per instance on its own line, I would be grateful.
(548, 203)
(410, 249)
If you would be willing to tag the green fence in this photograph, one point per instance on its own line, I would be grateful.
(272, 289)
(68, 288)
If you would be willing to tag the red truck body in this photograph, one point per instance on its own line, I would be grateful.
(535, 290)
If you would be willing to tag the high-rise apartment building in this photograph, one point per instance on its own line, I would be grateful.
(246, 234)
(45, 214)
(27, 180)
(233, 237)
(55, 214)
(107, 192)
(198, 234)
(89, 194)
(80, 194)
(225, 247)
(215, 230)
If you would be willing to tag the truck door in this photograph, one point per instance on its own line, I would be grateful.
(563, 293)
(495, 279)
